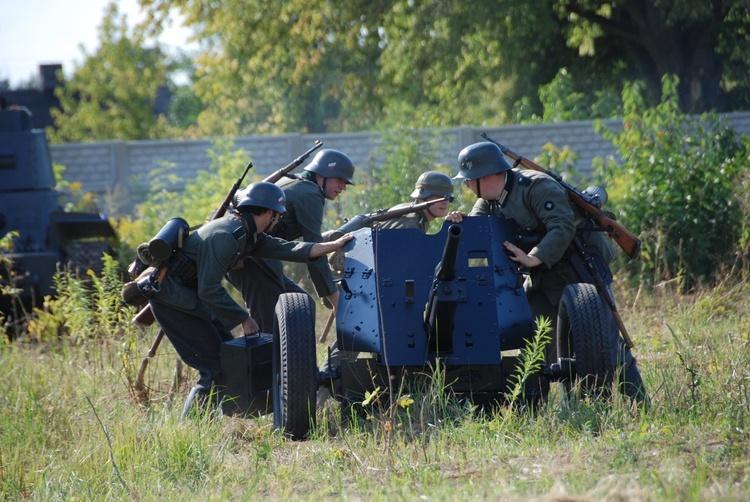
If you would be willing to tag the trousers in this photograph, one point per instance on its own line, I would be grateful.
(196, 340)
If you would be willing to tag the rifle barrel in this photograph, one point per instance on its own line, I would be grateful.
(284, 171)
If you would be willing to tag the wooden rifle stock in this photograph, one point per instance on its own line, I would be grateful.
(293, 164)
(622, 236)
(146, 317)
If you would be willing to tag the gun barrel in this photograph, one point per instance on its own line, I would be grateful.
(441, 308)
(446, 270)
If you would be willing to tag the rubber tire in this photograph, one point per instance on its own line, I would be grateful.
(582, 334)
(295, 370)
(87, 255)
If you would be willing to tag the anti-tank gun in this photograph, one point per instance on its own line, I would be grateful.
(411, 302)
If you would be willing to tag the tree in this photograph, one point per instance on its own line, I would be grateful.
(112, 95)
(269, 67)
(705, 43)
(317, 66)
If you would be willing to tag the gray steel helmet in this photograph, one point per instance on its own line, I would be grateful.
(433, 183)
(263, 194)
(332, 164)
(480, 160)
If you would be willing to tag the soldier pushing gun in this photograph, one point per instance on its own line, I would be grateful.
(556, 251)
(192, 307)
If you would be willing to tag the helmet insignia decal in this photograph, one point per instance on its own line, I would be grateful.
(331, 165)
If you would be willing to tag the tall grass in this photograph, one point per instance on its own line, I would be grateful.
(70, 427)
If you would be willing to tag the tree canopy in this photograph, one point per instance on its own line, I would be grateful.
(317, 66)
(112, 95)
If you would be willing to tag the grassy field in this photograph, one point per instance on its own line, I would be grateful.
(71, 429)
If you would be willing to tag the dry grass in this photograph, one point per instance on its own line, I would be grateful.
(70, 428)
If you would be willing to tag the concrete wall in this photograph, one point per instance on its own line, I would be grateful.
(125, 166)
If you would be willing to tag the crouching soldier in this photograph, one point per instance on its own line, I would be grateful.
(262, 281)
(547, 217)
(193, 308)
(430, 185)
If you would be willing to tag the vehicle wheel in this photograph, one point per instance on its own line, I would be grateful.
(295, 371)
(582, 335)
(87, 255)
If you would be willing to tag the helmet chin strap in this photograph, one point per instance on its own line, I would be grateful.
(275, 221)
(479, 188)
(429, 210)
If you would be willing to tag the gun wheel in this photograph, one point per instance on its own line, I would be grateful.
(582, 334)
(295, 370)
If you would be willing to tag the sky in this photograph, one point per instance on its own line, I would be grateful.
(35, 32)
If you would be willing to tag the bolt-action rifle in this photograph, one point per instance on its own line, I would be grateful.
(624, 238)
(284, 171)
(366, 220)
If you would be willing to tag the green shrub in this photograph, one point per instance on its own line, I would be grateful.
(676, 187)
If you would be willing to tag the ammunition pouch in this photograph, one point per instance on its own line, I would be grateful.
(183, 270)
(138, 292)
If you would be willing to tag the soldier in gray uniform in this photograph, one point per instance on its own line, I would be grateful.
(430, 185)
(547, 221)
(260, 280)
(192, 307)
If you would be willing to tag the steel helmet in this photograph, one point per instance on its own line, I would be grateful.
(332, 164)
(480, 160)
(433, 183)
(263, 194)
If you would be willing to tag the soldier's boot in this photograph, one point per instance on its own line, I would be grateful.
(332, 361)
(631, 384)
(198, 399)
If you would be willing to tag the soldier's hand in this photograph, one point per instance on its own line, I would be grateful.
(250, 327)
(343, 240)
(519, 256)
(321, 248)
(456, 216)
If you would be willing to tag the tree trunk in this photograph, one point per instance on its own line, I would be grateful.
(659, 45)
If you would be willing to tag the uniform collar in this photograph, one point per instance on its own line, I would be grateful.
(248, 222)
(310, 176)
(422, 220)
(509, 179)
